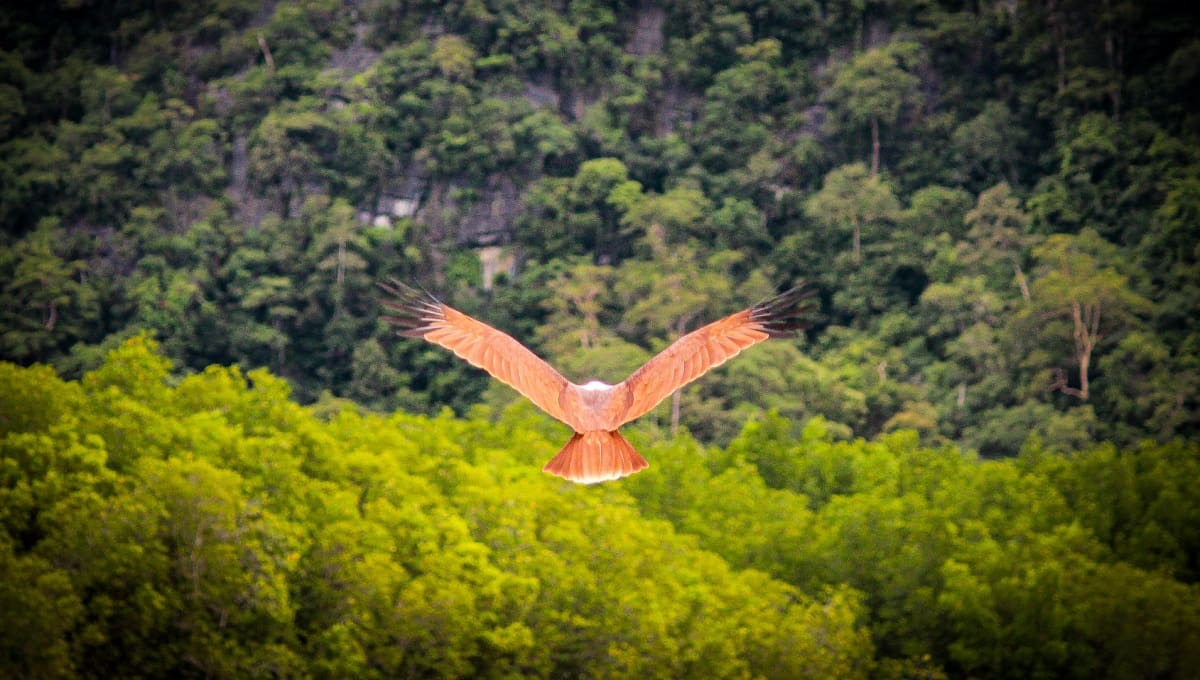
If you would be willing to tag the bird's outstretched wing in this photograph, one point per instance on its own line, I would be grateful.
(696, 353)
(417, 314)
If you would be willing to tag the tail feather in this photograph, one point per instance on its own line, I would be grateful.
(596, 457)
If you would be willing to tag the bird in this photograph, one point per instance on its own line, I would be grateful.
(595, 410)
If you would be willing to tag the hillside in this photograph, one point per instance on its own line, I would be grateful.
(998, 201)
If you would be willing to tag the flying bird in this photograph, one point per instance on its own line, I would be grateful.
(595, 410)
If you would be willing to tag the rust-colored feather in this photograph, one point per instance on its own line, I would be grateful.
(704, 349)
(419, 314)
(596, 457)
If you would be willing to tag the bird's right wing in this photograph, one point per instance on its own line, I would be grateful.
(696, 353)
(420, 315)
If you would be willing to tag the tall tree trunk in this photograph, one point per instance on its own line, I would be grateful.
(1087, 335)
(266, 52)
(1085, 361)
(1022, 281)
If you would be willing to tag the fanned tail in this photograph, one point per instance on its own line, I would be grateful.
(596, 457)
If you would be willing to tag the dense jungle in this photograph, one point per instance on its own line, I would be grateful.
(980, 460)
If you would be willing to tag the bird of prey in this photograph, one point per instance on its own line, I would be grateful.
(595, 410)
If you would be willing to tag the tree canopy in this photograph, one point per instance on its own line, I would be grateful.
(210, 525)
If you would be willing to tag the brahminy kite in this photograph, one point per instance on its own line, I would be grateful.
(596, 452)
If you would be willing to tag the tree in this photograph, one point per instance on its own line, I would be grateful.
(853, 199)
(581, 214)
(45, 304)
(875, 87)
(39, 609)
(287, 151)
(999, 234)
(739, 107)
(578, 299)
(188, 160)
(1078, 282)
(989, 144)
(1171, 258)
(1147, 389)
(339, 245)
(667, 296)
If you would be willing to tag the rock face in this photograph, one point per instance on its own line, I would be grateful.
(470, 216)
(356, 57)
(648, 30)
(495, 260)
(251, 208)
(400, 198)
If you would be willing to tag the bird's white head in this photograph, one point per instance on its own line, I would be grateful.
(595, 385)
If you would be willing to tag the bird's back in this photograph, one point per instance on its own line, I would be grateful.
(595, 406)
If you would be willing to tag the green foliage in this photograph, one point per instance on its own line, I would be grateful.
(235, 533)
(234, 180)
(876, 87)
(998, 205)
(965, 565)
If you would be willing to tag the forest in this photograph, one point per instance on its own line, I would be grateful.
(981, 460)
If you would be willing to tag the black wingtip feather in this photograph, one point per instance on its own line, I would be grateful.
(412, 311)
(783, 315)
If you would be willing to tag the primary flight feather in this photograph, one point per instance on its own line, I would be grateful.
(595, 410)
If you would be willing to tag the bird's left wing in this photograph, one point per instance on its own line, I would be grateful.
(698, 352)
(420, 315)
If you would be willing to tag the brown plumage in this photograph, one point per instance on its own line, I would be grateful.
(597, 452)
